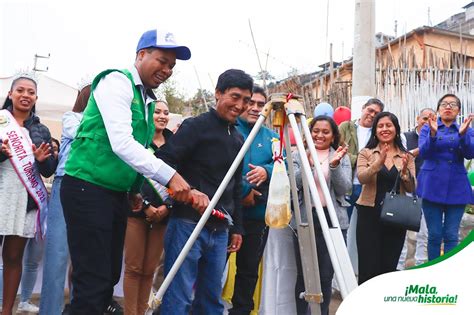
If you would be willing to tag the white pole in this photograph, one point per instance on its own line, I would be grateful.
(311, 274)
(363, 69)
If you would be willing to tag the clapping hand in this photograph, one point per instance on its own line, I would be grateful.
(465, 125)
(415, 152)
(433, 123)
(338, 155)
(404, 164)
(6, 148)
(383, 153)
(42, 152)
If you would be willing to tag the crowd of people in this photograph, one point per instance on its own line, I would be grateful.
(127, 190)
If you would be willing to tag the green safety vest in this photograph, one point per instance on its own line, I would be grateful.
(91, 157)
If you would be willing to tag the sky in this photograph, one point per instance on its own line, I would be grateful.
(84, 37)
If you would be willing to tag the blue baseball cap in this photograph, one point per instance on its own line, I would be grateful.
(164, 40)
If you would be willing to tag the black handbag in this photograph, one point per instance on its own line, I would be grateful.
(401, 211)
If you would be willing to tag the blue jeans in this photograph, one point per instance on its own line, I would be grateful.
(31, 260)
(438, 231)
(203, 268)
(55, 256)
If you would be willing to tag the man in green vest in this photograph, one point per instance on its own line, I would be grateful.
(107, 164)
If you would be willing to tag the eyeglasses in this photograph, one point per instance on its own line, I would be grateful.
(259, 104)
(450, 104)
(371, 111)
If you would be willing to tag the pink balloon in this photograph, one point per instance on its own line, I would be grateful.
(341, 114)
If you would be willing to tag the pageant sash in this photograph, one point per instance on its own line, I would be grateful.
(23, 162)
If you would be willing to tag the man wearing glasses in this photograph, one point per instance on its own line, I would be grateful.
(356, 134)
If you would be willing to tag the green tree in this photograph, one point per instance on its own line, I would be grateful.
(197, 103)
(264, 75)
(293, 72)
(170, 93)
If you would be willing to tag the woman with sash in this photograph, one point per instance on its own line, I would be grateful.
(25, 154)
(146, 229)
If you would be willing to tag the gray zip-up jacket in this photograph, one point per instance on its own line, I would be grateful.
(339, 184)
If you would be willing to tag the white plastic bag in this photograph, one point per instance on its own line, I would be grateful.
(278, 212)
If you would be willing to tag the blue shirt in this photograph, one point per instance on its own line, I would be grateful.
(443, 177)
(259, 154)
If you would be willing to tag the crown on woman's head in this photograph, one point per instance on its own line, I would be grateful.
(27, 74)
(84, 81)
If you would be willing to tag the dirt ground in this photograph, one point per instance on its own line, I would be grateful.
(336, 298)
(335, 302)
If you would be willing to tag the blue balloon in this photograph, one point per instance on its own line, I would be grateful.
(324, 109)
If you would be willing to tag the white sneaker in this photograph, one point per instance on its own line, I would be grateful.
(27, 307)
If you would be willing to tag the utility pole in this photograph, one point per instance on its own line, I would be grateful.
(363, 73)
(342, 52)
(331, 66)
(429, 17)
(39, 65)
(327, 30)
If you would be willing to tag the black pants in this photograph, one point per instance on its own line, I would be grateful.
(378, 245)
(326, 271)
(96, 219)
(247, 260)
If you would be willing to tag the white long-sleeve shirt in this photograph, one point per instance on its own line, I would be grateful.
(113, 95)
(71, 122)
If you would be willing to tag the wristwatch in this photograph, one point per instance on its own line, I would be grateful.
(169, 206)
(145, 205)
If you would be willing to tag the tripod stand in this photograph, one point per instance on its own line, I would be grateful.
(291, 107)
